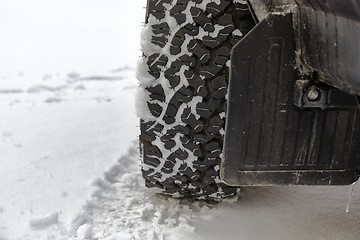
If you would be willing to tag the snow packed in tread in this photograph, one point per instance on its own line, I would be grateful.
(191, 42)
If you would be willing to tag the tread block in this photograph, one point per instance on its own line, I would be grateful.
(160, 41)
(155, 109)
(178, 8)
(215, 9)
(180, 18)
(202, 53)
(200, 18)
(161, 28)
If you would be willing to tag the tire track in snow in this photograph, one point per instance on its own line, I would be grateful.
(122, 208)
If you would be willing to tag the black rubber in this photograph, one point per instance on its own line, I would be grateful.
(182, 142)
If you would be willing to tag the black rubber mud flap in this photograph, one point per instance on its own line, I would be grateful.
(268, 139)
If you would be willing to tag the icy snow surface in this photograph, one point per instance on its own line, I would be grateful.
(68, 151)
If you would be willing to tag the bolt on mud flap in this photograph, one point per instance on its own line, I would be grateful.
(272, 138)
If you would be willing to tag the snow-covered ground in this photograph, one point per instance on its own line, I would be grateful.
(68, 151)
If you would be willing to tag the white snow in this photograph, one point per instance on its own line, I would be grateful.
(68, 142)
(44, 221)
(54, 144)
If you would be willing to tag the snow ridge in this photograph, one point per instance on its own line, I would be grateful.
(122, 208)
